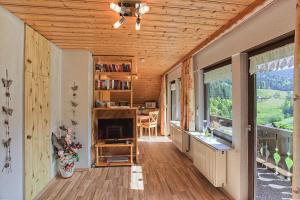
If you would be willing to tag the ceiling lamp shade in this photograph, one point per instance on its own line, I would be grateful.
(142, 8)
(119, 23)
(115, 7)
(138, 24)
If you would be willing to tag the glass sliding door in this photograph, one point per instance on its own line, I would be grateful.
(272, 93)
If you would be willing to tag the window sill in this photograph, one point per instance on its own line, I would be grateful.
(175, 123)
(213, 142)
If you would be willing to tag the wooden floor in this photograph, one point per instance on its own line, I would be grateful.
(164, 173)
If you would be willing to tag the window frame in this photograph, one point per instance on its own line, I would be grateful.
(177, 100)
(171, 100)
(264, 47)
(218, 65)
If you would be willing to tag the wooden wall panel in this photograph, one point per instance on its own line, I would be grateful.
(146, 88)
(37, 113)
(170, 30)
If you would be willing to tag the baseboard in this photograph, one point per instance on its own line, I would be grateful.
(82, 169)
(226, 194)
(188, 156)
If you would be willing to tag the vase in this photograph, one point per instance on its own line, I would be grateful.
(67, 174)
(63, 172)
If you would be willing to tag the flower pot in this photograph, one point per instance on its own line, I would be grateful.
(67, 173)
(66, 167)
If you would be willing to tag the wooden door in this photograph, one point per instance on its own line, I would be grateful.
(37, 113)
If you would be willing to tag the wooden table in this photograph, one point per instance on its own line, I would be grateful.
(143, 117)
(140, 119)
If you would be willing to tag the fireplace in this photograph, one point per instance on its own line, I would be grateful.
(117, 130)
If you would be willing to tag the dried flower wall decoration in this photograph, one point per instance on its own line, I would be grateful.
(74, 105)
(7, 111)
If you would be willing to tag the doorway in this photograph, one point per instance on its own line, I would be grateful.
(271, 122)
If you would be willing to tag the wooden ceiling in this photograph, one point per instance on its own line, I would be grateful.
(171, 29)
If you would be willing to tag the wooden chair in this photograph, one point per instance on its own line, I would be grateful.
(151, 123)
(139, 123)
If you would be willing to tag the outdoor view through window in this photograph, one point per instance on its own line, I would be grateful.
(274, 119)
(219, 101)
(273, 73)
(274, 98)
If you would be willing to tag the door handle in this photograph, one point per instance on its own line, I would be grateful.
(249, 128)
(29, 137)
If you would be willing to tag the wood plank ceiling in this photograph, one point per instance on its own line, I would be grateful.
(170, 30)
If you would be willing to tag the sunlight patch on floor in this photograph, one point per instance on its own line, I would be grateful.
(154, 139)
(137, 182)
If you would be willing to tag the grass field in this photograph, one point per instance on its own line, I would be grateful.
(269, 108)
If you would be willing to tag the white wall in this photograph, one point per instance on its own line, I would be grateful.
(56, 68)
(171, 76)
(237, 169)
(11, 58)
(199, 99)
(78, 66)
(273, 21)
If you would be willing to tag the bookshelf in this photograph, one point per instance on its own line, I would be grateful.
(113, 77)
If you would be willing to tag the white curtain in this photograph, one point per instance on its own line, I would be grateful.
(277, 59)
(222, 73)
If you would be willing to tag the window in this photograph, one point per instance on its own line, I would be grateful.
(175, 99)
(272, 88)
(274, 73)
(179, 99)
(218, 101)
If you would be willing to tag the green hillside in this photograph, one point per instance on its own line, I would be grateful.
(270, 108)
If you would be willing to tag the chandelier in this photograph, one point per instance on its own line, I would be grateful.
(128, 9)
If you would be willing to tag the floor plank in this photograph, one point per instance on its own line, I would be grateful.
(164, 173)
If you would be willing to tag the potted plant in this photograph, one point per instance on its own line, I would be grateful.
(66, 151)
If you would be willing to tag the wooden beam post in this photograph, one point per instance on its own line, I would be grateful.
(296, 133)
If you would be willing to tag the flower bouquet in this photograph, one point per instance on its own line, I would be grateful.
(67, 153)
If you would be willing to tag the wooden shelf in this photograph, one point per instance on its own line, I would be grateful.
(113, 145)
(106, 164)
(123, 79)
(103, 97)
(101, 160)
(122, 76)
(113, 73)
(115, 108)
(113, 90)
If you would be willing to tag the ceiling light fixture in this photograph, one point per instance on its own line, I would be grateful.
(115, 7)
(138, 24)
(119, 23)
(142, 8)
(129, 9)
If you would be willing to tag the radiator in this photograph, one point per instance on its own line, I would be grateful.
(210, 162)
(179, 138)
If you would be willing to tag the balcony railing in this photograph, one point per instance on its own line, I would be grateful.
(268, 139)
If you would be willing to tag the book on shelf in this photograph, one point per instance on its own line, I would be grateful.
(125, 67)
(112, 85)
